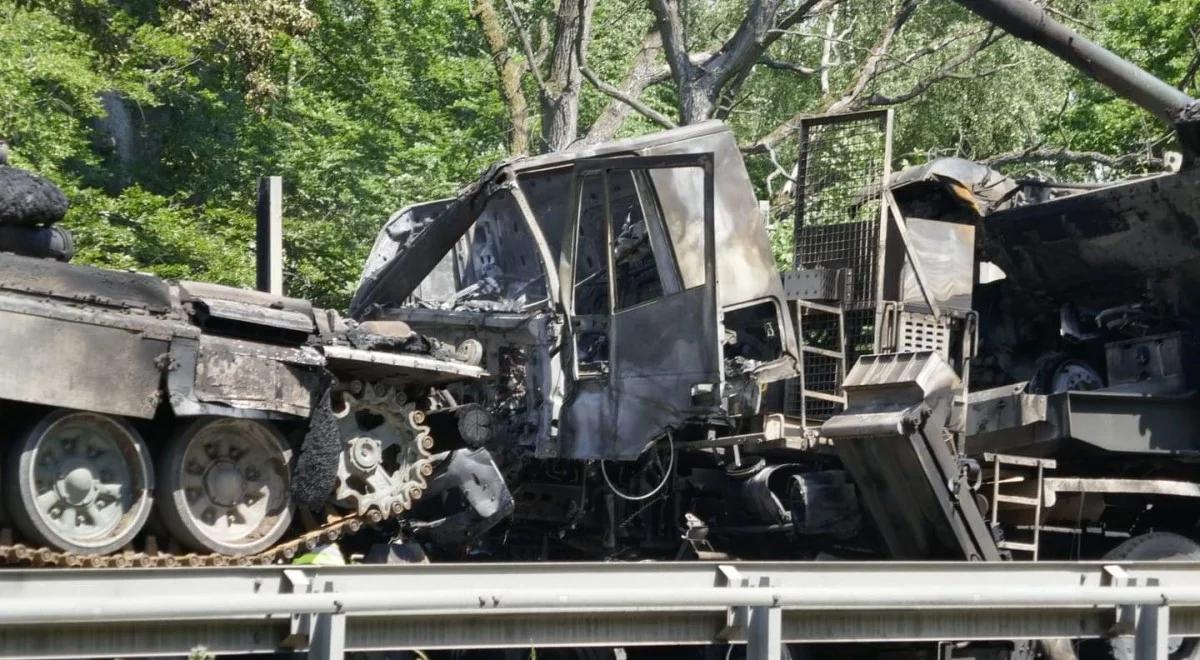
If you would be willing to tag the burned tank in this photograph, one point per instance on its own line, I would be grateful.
(174, 421)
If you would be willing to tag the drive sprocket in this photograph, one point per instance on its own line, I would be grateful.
(385, 450)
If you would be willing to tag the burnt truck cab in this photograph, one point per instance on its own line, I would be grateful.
(617, 293)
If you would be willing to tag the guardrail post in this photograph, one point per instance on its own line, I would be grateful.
(1150, 636)
(764, 639)
(736, 618)
(1150, 633)
(329, 637)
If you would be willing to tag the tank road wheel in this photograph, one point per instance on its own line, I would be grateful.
(225, 486)
(79, 482)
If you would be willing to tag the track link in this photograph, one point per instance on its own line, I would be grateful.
(19, 554)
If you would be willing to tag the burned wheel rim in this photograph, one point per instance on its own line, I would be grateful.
(82, 482)
(226, 487)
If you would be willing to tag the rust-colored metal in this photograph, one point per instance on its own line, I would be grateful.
(18, 554)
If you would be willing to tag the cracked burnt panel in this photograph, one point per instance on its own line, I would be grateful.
(487, 295)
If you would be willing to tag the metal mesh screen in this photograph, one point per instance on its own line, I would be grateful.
(843, 162)
(842, 168)
(823, 373)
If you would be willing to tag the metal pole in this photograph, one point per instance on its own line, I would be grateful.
(269, 235)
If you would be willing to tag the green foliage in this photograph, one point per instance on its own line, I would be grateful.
(157, 117)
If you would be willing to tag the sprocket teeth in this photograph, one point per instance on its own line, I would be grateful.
(403, 457)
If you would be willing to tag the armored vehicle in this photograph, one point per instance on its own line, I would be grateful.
(162, 420)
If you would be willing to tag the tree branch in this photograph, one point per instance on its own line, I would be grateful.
(523, 35)
(931, 48)
(780, 65)
(851, 92)
(643, 72)
(626, 96)
(870, 68)
(1068, 156)
(947, 70)
(758, 30)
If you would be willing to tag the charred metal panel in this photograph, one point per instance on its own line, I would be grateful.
(239, 312)
(946, 251)
(425, 248)
(231, 377)
(1163, 362)
(85, 284)
(202, 291)
(404, 225)
(820, 284)
(892, 440)
(482, 500)
(1106, 247)
(655, 373)
(1005, 419)
(746, 267)
(75, 364)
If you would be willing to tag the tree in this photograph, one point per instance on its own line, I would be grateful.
(157, 117)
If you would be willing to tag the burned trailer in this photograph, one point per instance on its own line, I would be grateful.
(630, 316)
(1027, 382)
(189, 422)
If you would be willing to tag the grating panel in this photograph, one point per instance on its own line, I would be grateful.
(923, 332)
(842, 167)
(823, 373)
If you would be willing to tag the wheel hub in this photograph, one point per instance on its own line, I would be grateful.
(224, 483)
(365, 454)
(77, 487)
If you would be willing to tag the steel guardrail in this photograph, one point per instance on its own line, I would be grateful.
(330, 610)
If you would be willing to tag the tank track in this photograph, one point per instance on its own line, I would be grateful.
(19, 554)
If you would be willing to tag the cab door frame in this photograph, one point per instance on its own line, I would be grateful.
(619, 413)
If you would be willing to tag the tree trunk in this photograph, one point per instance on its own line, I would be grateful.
(560, 95)
(509, 71)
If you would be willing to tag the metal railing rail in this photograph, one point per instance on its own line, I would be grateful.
(330, 610)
